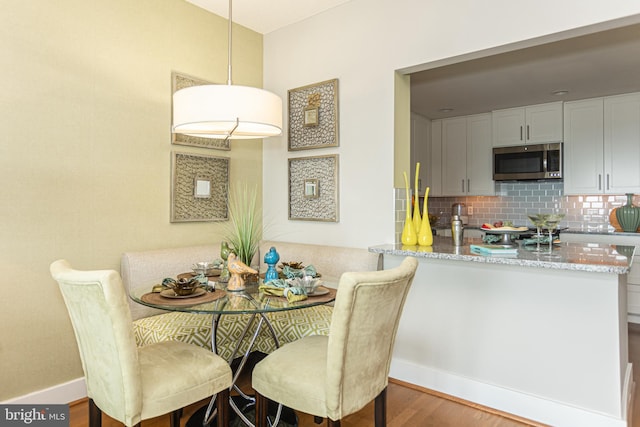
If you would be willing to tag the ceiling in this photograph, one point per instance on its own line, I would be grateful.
(265, 16)
(600, 64)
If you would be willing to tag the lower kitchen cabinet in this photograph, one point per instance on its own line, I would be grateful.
(633, 278)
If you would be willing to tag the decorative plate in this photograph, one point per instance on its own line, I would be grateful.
(168, 293)
(320, 290)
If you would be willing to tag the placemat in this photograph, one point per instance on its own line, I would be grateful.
(156, 298)
(192, 274)
(326, 297)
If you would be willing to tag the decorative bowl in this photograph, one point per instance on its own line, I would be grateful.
(182, 287)
(206, 268)
(308, 283)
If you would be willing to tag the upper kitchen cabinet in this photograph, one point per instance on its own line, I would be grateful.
(584, 146)
(424, 150)
(602, 145)
(534, 124)
(466, 155)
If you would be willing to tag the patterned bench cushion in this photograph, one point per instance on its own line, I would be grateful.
(196, 329)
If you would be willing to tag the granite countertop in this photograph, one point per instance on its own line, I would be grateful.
(600, 232)
(598, 258)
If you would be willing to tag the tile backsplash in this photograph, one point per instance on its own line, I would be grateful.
(514, 200)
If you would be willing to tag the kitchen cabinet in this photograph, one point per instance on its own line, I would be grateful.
(466, 155)
(633, 277)
(425, 151)
(534, 124)
(602, 145)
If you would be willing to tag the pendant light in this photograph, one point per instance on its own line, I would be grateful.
(227, 111)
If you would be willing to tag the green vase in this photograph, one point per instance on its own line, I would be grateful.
(628, 215)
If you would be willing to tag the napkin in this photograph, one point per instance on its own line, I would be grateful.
(291, 273)
(280, 288)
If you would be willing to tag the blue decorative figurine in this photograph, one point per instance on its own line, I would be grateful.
(271, 258)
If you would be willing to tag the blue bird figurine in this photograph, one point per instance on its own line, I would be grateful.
(271, 258)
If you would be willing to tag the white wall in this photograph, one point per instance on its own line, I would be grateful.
(362, 43)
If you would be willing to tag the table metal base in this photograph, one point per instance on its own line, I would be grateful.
(288, 417)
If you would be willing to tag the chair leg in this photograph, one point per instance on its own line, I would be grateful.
(332, 423)
(222, 404)
(175, 417)
(317, 419)
(95, 414)
(262, 406)
(381, 409)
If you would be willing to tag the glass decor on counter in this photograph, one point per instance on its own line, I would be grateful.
(539, 220)
(628, 215)
(416, 230)
(425, 235)
(417, 221)
(409, 235)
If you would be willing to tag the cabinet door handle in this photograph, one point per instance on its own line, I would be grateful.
(599, 181)
(607, 182)
(463, 185)
(528, 135)
(468, 185)
(520, 133)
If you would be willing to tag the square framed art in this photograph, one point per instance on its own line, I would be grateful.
(313, 116)
(181, 81)
(313, 188)
(199, 187)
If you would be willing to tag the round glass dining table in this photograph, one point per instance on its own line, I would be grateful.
(214, 299)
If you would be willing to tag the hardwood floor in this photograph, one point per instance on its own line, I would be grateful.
(406, 406)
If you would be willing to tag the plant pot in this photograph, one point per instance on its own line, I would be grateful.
(628, 215)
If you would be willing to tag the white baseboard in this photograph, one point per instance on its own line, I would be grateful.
(523, 405)
(59, 394)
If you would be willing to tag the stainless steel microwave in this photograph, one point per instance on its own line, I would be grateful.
(527, 162)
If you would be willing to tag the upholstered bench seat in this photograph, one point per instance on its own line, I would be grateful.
(196, 329)
(151, 325)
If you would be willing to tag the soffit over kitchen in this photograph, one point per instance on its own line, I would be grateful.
(600, 64)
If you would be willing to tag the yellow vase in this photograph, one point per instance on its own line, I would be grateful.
(409, 234)
(425, 235)
(417, 221)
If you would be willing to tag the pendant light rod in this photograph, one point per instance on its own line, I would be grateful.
(230, 24)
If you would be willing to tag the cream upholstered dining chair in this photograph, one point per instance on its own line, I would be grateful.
(336, 375)
(128, 383)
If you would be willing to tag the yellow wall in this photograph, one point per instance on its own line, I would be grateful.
(85, 153)
(402, 129)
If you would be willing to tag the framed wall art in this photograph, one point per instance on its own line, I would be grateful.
(313, 116)
(313, 188)
(181, 81)
(199, 187)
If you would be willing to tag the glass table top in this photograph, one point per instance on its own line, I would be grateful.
(220, 301)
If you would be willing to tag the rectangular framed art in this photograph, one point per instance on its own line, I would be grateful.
(313, 116)
(199, 187)
(181, 81)
(313, 188)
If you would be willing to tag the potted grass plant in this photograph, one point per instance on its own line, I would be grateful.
(245, 222)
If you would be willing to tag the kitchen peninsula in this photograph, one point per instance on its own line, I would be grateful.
(541, 335)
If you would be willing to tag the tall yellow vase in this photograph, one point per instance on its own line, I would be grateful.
(425, 235)
(409, 234)
(416, 202)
